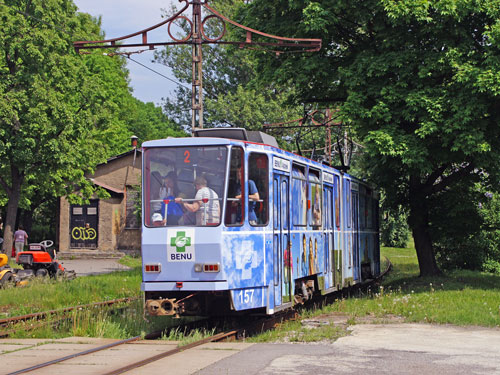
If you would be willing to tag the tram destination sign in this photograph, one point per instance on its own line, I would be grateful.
(281, 164)
(328, 178)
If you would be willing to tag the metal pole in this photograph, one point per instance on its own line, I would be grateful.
(197, 91)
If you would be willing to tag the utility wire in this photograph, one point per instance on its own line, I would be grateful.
(154, 71)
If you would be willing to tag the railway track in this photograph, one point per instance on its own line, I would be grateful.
(229, 335)
(257, 326)
(61, 313)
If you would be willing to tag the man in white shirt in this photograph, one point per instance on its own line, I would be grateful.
(206, 203)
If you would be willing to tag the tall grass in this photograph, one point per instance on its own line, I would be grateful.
(460, 297)
(42, 294)
(117, 321)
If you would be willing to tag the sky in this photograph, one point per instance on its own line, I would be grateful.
(123, 17)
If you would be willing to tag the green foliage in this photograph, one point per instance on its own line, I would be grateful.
(232, 95)
(46, 294)
(471, 241)
(461, 297)
(147, 122)
(61, 113)
(417, 80)
(394, 231)
(297, 331)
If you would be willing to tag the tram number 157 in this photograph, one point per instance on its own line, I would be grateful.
(246, 296)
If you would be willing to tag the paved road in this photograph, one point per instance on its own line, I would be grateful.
(370, 349)
(85, 267)
(376, 349)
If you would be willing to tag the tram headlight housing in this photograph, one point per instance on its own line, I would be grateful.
(207, 267)
(152, 268)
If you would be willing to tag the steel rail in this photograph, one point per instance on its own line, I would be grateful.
(15, 319)
(260, 325)
(53, 362)
(215, 338)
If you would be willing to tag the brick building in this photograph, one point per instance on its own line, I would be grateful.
(105, 225)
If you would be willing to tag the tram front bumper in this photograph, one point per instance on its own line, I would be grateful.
(186, 286)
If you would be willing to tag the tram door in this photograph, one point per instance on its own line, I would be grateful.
(281, 249)
(329, 257)
(355, 233)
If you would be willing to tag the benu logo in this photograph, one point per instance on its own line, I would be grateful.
(180, 245)
(180, 241)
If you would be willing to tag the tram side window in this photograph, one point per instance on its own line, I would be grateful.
(258, 189)
(337, 202)
(375, 213)
(362, 207)
(315, 198)
(235, 211)
(299, 196)
(369, 209)
(348, 202)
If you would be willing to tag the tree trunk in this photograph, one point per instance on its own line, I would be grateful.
(419, 224)
(14, 195)
(10, 221)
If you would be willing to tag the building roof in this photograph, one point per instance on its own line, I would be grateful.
(107, 187)
(130, 152)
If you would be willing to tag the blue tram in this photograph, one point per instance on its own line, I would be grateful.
(232, 224)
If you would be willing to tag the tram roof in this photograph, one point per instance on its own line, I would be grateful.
(209, 141)
(190, 141)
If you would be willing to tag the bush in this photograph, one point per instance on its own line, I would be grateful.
(466, 230)
(394, 230)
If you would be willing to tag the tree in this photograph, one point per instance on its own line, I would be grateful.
(146, 121)
(232, 95)
(56, 108)
(420, 82)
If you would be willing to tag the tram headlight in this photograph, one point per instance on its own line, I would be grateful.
(198, 267)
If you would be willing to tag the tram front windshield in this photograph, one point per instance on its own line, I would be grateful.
(183, 186)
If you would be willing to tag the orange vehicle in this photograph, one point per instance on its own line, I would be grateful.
(41, 260)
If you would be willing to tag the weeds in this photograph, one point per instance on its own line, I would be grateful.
(187, 338)
(460, 297)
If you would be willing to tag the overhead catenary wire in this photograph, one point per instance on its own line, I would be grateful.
(160, 74)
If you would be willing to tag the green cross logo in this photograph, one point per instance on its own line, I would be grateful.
(180, 241)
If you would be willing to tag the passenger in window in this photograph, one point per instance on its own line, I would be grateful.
(156, 193)
(169, 192)
(253, 198)
(206, 203)
(317, 207)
